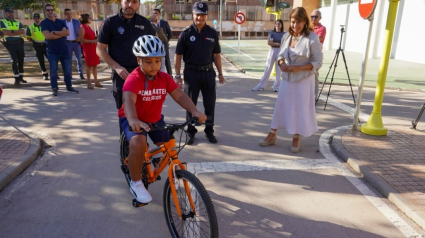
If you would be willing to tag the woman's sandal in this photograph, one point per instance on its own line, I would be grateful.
(98, 85)
(90, 86)
(270, 142)
(293, 148)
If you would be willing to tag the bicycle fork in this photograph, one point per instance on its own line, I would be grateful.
(172, 177)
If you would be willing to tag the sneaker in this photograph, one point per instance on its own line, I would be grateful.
(55, 92)
(275, 90)
(139, 191)
(72, 90)
(258, 89)
(46, 76)
(82, 76)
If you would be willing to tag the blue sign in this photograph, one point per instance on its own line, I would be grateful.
(215, 21)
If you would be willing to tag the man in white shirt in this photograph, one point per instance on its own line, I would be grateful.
(72, 40)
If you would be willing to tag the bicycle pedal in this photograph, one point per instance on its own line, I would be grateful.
(138, 204)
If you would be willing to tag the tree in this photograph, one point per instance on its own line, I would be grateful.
(24, 4)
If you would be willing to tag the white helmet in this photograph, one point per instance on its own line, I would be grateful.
(148, 46)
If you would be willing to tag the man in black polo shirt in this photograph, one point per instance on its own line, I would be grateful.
(198, 46)
(118, 34)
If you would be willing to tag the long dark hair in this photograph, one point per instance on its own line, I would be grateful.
(300, 14)
(281, 28)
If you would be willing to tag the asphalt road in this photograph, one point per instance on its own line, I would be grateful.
(76, 188)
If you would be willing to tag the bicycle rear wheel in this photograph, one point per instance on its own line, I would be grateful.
(124, 148)
(204, 223)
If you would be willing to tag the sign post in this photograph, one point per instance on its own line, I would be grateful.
(366, 10)
(239, 19)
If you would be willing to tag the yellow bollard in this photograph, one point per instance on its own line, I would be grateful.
(374, 126)
(274, 70)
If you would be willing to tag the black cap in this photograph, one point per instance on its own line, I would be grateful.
(200, 8)
(8, 9)
(36, 15)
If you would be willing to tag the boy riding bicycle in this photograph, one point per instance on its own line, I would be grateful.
(144, 93)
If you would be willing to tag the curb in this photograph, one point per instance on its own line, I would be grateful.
(405, 205)
(12, 171)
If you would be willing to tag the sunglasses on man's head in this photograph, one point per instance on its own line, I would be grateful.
(49, 10)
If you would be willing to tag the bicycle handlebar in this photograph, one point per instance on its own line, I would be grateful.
(159, 127)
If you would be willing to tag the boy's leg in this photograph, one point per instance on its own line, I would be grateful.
(137, 142)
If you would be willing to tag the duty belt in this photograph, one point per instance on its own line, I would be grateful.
(199, 68)
(20, 41)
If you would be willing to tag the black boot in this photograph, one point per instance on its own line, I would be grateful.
(22, 80)
(17, 81)
(46, 76)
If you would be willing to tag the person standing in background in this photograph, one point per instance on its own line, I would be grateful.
(55, 32)
(274, 43)
(115, 44)
(12, 31)
(167, 31)
(319, 30)
(199, 48)
(72, 41)
(37, 38)
(299, 59)
(161, 36)
(89, 41)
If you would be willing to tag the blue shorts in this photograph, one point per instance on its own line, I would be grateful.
(156, 136)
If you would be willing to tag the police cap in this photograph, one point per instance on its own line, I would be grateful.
(200, 8)
(36, 15)
(8, 9)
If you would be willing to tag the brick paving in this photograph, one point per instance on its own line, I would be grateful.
(399, 158)
(13, 145)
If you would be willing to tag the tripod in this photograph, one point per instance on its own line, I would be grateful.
(335, 60)
(414, 123)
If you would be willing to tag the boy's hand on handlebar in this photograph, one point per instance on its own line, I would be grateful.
(138, 126)
(201, 116)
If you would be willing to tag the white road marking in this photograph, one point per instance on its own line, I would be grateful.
(238, 51)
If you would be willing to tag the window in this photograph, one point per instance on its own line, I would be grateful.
(180, 1)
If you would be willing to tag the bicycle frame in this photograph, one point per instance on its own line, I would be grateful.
(170, 154)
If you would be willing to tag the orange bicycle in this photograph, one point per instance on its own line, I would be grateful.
(189, 211)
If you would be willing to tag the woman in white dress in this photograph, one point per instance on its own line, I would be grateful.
(299, 59)
(273, 41)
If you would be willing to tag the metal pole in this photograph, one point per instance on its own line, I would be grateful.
(362, 76)
(239, 39)
(347, 16)
(221, 22)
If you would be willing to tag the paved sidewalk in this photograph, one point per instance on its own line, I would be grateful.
(394, 164)
(17, 151)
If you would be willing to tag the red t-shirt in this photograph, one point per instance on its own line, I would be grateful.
(149, 102)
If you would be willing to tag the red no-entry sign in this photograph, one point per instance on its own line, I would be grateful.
(366, 8)
(240, 18)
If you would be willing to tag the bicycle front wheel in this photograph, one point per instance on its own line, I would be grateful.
(204, 223)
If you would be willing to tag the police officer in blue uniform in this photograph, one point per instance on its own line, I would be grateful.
(118, 34)
(12, 31)
(199, 47)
